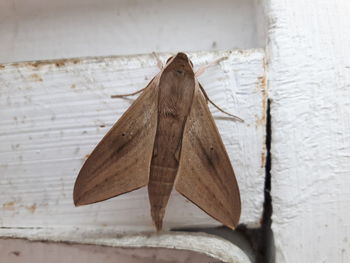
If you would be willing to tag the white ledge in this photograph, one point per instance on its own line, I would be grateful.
(203, 243)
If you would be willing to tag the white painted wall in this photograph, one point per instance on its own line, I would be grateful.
(40, 29)
(309, 83)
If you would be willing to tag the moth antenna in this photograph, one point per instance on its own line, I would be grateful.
(215, 62)
(126, 95)
(159, 62)
(216, 106)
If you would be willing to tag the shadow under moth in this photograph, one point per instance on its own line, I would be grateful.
(166, 139)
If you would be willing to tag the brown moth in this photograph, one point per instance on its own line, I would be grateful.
(167, 138)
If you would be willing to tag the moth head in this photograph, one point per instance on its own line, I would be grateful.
(180, 57)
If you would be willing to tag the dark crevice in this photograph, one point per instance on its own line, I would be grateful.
(261, 239)
(257, 243)
(266, 253)
(267, 240)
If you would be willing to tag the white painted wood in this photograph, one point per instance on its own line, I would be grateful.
(309, 83)
(202, 243)
(53, 114)
(41, 29)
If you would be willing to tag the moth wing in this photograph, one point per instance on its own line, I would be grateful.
(120, 163)
(205, 175)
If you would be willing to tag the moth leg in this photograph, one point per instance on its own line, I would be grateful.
(199, 72)
(216, 106)
(159, 62)
(126, 95)
(215, 62)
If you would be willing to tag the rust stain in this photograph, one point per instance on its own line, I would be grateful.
(57, 63)
(9, 206)
(2, 66)
(31, 208)
(38, 64)
(60, 63)
(36, 77)
(263, 88)
(73, 86)
(263, 159)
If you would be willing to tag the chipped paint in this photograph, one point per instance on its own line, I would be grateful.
(262, 88)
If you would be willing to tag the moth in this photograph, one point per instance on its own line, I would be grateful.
(166, 139)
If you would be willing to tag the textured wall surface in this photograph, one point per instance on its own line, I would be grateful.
(309, 83)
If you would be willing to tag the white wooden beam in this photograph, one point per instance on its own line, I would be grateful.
(309, 84)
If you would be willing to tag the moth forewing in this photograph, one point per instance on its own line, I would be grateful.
(120, 163)
(205, 175)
